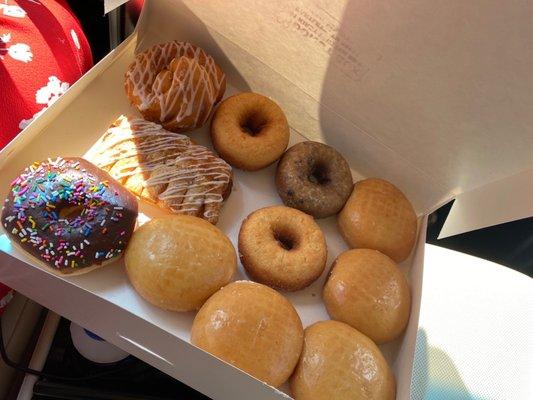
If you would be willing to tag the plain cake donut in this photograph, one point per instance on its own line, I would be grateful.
(69, 214)
(249, 131)
(282, 247)
(314, 178)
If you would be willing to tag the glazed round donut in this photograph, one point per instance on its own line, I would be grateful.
(175, 84)
(282, 247)
(69, 214)
(249, 131)
(252, 327)
(339, 362)
(314, 178)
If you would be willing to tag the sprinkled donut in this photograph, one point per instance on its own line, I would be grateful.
(70, 214)
(175, 84)
(282, 247)
(249, 131)
(314, 178)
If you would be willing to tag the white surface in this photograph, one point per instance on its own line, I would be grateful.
(506, 200)
(110, 5)
(476, 330)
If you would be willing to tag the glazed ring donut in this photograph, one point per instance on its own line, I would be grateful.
(69, 214)
(314, 178)
(249, 131)
(282, 247)
(175, 84)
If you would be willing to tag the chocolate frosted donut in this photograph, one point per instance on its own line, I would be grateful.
(314, 178)
(69, 214)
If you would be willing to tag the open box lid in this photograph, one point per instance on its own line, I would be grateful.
(434, 96)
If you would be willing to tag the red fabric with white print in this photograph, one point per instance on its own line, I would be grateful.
(43, 51)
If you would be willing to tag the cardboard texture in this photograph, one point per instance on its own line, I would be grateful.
(404, 91)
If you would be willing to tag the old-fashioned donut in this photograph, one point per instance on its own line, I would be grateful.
(69, 214)
(249, 131)
(175, 84)
(314, 178)
(282, 247)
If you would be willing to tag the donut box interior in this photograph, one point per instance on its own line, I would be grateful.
(408, 92)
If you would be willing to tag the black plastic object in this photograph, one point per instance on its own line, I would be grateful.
(133, 380)
(509, 244)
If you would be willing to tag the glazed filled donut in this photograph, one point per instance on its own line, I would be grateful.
(249, 131)
(378, 216)
(314, 178)
(69, 214)
(282, 247)
(367, 290)
(338, 362)
(176, 262)
(175, 84)
(253, 328)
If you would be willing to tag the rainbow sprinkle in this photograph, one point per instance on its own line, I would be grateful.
(33, 214)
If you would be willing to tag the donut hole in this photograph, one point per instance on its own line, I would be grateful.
(252, 124)
(319, 174)
(285, 239)
(70, 212)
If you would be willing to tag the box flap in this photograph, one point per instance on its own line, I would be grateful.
(432, 95)
(110, 5)
(506, 200)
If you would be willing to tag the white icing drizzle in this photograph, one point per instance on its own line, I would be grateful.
(178, 78)
(186, 177)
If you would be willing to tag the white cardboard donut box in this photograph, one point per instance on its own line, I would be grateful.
(433, 96)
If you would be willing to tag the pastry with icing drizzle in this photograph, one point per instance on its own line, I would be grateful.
(163, 167)
(70, 214)
(175, 84)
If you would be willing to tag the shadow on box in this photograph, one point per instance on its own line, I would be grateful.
(195, 30)
(435, 375)
(346, 69)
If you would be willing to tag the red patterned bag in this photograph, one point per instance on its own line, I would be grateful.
(43, 51)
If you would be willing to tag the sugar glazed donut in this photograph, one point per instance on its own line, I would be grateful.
(366, 290)
(378, 216)
(249, 131)
(178, 261)
(314, 178)
(69, 214)
(253, 328)
(175, 84)
(282, 247)
(339, 362)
